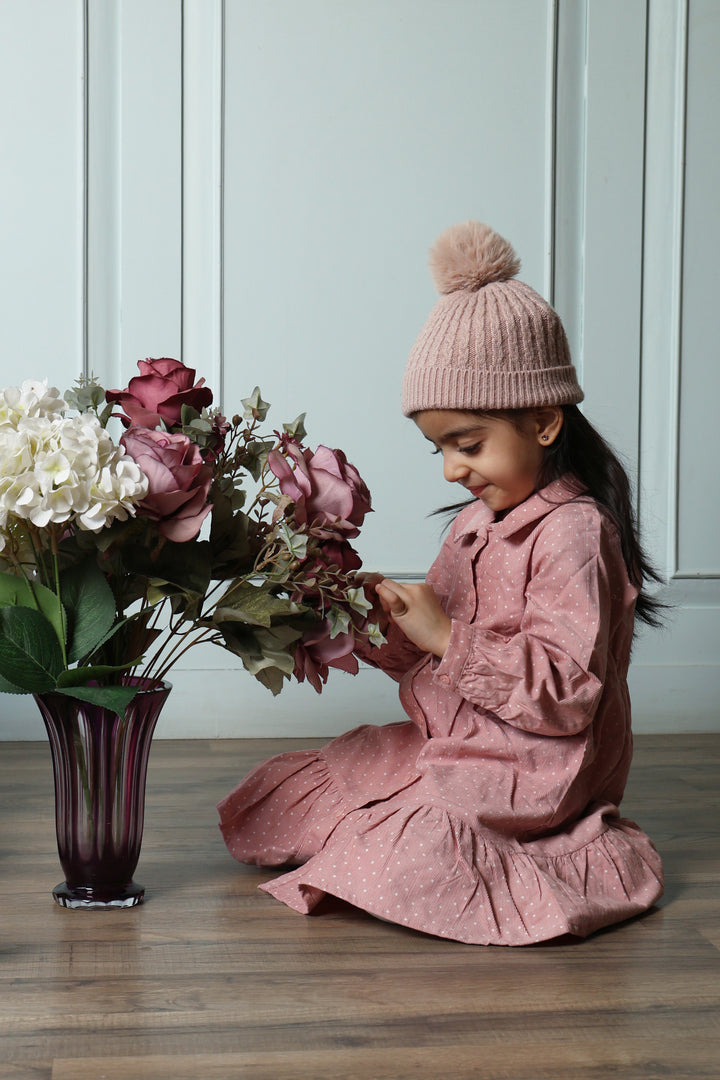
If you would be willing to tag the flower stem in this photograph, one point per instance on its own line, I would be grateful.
(62, 609)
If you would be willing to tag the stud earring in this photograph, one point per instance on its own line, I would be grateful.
(544, 438)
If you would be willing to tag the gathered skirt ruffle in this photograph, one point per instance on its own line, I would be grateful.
(427, 866)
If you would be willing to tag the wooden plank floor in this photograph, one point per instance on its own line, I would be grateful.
(213, 979)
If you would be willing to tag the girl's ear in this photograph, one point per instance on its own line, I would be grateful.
(548, 423)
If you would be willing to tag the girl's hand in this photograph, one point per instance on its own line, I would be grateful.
(417, 611)
(377, 614)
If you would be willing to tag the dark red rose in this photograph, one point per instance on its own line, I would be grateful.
(341, 554)
(159, 392)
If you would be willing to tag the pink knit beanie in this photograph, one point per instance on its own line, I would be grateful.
(490, 342)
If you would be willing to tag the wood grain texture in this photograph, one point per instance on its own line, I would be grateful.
(211, 978)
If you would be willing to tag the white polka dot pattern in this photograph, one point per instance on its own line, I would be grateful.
(490, 816)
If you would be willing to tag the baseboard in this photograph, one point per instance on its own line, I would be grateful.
(228, 703)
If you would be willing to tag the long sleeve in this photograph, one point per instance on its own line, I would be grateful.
(395, 658)
(548, 677)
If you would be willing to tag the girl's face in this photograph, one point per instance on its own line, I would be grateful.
(497, 460)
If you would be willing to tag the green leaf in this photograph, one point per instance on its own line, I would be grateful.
(18, 592)
(262, 650)
(30, 654)
(280, 636)
(90, 607)
(185, 566)
(254, 406)
(296, 543)
(187, 414)
(114, 698)
(10, 688)
(339, 621)
(81, 676)
(272, 678)
(148, 636)
(278, 662)
(297, 429)
(253, 604)
(229, 532)
(202, 425)
(263, 655)
(358, 601)
(87, 395)
(255, 457)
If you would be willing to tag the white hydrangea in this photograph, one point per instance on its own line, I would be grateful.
(31, 398)
(56, 469)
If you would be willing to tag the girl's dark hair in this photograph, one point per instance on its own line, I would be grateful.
(581, 451)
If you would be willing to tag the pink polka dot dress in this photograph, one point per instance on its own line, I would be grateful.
(491, 815)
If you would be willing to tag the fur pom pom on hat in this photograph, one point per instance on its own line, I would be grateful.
(490, 342)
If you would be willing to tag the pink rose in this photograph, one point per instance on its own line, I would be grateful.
(324, 487)
(159, 393)
(317, 652)
(178, 478)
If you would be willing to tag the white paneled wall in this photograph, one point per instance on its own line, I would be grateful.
(675, 673)
(42, 187)
(252, 186)
(354, 133)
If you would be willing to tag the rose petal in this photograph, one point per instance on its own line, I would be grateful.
(150, 390)
(163, 365)
(331, 497)
(290, 479)
(182, 529)
(199, 397)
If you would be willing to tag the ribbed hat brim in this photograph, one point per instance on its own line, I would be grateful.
(471, 388)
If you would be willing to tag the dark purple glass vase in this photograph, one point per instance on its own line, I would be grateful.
(100, 766)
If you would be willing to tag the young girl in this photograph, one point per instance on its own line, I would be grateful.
(491, 815)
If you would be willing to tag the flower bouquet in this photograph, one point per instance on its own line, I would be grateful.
(117, 557)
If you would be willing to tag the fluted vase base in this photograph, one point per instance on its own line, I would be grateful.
(83, 896)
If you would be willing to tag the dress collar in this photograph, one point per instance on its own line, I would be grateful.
(477, 518)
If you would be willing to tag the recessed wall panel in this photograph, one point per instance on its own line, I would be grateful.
(41, 191)
(354, 134)
(698, 511)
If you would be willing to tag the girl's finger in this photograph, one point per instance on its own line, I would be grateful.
(391, 599)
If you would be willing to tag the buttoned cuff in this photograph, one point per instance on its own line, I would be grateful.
(450, 669)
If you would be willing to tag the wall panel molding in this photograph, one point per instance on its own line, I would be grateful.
(569, 171)
(697, 508)
(662, 278)
(103, 171)
(551, 111)
(203, 188)
(134, 184)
